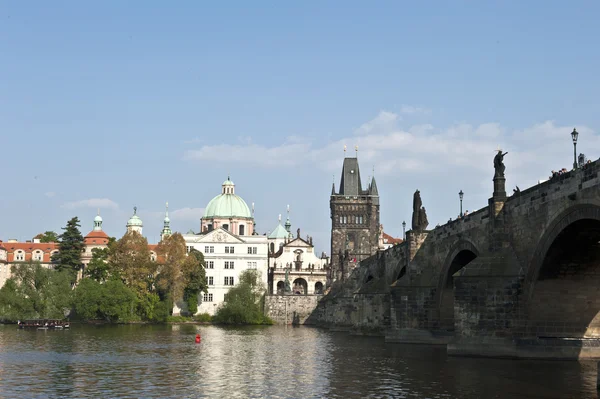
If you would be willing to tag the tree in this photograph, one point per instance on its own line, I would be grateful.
(111, 301)
(194, 279)
(98, 268)
(242, 302)
(170, 279)
(70, 247)
(129, 260)
(36, 292)
(48, 236)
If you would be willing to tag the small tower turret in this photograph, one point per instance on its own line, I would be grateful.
(166, 231)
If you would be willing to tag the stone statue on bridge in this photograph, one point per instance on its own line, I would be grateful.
(416, 209)
(419, 216)
(499, 164)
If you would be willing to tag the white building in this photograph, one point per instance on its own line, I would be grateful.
(229, 245)
(295, 258)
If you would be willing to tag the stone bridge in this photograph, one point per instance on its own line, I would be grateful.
(518, 278)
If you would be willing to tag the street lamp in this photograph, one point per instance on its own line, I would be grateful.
(574, 135)
(404, 230)
(460, 195)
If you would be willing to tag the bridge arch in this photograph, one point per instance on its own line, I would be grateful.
(461, 254)
(562, 284)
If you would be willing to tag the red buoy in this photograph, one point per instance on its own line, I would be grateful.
(198, 338)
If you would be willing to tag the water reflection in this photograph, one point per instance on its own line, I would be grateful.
(262, 362)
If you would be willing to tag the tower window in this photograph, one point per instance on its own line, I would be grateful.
(242, 228)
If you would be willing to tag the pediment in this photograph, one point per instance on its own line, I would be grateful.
(221, 236)
(298, 242)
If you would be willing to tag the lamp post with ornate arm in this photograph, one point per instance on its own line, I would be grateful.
(460, 195)
(574, 135)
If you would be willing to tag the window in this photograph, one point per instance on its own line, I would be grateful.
(341, 219)
(228, 264)
(209, 249)
(242, 230)
(252, 250)
(228, 280)
(345, 219)
(20, 256)
(210, 264)
(153, 257)
(188, 249)
(207, 298)
(251, 265)
(38, 255)
(211, 280)
(229, 250)
(226, 227)
(360, 220)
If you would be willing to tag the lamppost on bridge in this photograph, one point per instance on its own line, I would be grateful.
(404, 230)
(460, 195)
(574, 135)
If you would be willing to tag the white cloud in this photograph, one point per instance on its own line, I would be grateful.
(50, 194)
(383, 121)
(187, 214)
(91, 203)
(409, 109)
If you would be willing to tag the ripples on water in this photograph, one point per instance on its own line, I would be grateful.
(262, 362)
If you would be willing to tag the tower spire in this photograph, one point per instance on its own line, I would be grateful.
(288, 224)
(166, 231)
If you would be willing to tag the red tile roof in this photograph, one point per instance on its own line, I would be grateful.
(96, 237)
(388, 239)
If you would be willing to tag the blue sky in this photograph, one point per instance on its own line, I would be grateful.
(117, 104)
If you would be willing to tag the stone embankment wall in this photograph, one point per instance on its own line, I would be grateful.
(291, 309)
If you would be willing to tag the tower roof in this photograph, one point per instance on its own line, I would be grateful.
(279, 232)
(350, 183)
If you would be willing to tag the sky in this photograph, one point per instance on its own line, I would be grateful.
(116, 104)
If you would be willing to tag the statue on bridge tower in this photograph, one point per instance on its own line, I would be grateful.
(499, 164)
(419, 217)
(499, 179)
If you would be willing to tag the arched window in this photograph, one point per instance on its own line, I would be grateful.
(38, 255)
(242, 228)
(19, 256)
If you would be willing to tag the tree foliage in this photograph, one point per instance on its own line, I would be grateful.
(98, 269)
(35, 292)
(195, 278)
(112, 301)
(70, 247)
(242, 302)
(47, 236)
(129, 260)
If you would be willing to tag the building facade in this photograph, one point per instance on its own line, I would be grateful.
(354, 221)
(229, 245)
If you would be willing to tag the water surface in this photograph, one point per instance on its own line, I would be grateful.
(141, 361)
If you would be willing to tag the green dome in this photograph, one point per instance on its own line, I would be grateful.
(227, 205)
(135, 219)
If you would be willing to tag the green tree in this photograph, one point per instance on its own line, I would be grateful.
(69, 249)
(112, 301)
(98, 267)
(242, 302)
(194, 280)
(48, 236)
(36, 292)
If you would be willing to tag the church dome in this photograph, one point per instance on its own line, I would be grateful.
(135, 219)
(98, 218)
(227, 204)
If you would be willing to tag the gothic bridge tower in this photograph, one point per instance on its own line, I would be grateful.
(354, 221)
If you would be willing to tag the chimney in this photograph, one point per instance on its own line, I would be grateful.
(36, 240)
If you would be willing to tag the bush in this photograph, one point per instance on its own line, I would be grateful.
(242, 302)
(178, 319)
(203, 317)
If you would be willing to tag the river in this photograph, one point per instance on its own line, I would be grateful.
(146, 361)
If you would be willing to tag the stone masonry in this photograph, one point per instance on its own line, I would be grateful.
(512, 279)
